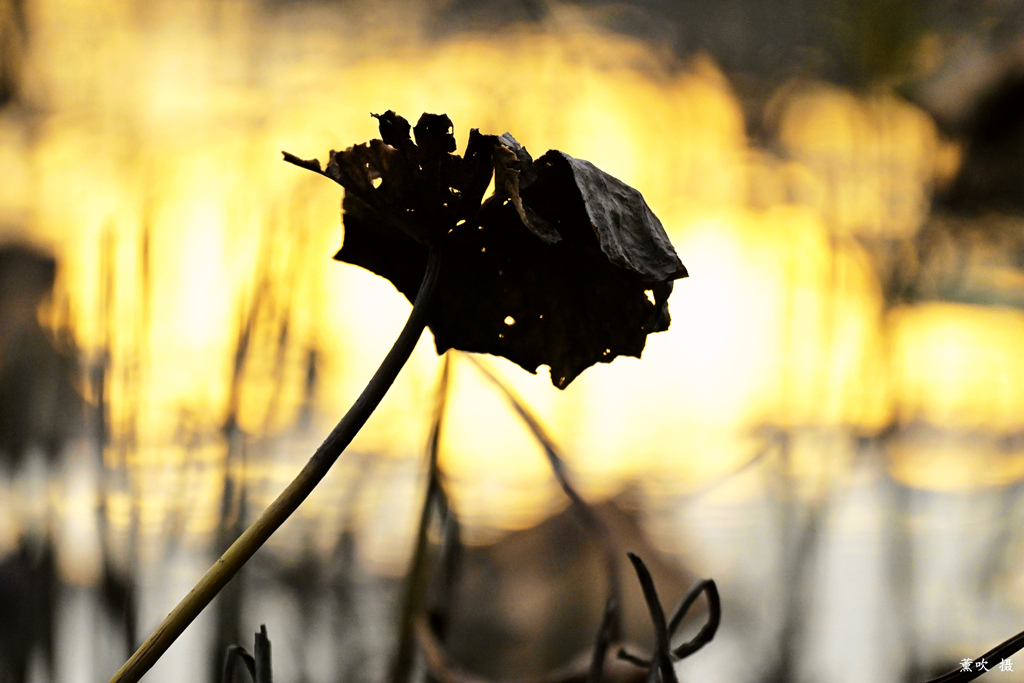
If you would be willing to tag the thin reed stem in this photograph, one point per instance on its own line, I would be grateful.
(297, 491)
(416, 579)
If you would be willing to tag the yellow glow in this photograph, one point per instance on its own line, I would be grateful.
(959, 366)
(497, 471)
(878, 157)
(942, 464)
(172, 121)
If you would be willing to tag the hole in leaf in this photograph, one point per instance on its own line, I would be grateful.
(376, 182)
(509, 320)
(489, 192)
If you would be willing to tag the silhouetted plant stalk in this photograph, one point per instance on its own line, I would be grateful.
(623, 667)
(117, 584)
(234, 490)
(297, 491)
(595, 667)
(418, 575)
(564, 266)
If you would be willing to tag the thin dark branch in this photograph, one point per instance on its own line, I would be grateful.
(297, 491)
(704, 636)
(258, 666)
(609, 624)
(664, 655)
(446, 567)
(263, 672)
(687, 602)
(416, 579)
(708, 630)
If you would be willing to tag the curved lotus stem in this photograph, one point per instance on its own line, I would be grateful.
(289, 500)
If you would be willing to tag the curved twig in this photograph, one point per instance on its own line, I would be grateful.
(289, 500)
(704, 635)
(664, 655)
(708, 630)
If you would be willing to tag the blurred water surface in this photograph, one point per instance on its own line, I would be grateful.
(832, 427)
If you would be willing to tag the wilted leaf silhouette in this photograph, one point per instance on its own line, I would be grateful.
(631, 235)
(559, 267)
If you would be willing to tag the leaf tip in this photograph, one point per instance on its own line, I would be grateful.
(308, 164)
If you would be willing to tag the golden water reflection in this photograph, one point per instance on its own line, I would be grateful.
(153, 171)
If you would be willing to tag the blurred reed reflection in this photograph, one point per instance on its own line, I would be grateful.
(836, 412)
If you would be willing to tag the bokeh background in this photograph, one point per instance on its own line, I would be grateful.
(833, 427)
